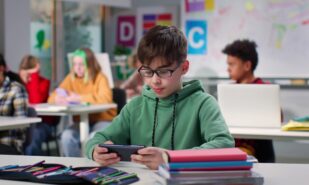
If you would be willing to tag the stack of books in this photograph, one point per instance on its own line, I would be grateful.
(209, 166)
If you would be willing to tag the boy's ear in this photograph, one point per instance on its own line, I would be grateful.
(185, 67)
(248, 65)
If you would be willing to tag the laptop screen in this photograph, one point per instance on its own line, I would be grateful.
(250, 105)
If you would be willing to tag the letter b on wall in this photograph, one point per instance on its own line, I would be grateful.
(126, 30)
(196, 32)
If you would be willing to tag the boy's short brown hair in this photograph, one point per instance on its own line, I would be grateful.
(165, 42)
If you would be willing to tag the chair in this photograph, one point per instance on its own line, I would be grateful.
(120, 98)
(103, 59)
(119, 95)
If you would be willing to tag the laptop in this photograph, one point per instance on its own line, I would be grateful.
(250, 105)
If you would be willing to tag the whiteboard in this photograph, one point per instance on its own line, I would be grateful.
(279, 27)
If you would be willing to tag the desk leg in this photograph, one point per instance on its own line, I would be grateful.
(84, 131)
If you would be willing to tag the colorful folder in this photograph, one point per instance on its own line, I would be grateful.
(203, 155)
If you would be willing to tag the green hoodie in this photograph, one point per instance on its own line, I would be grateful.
(198, 122)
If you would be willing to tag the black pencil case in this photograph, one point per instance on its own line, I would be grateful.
(107, 175)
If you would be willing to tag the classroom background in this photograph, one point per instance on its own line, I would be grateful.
(50, 29)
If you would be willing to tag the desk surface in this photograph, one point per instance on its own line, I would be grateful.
(268, 133)
(7, 123)
(45, 109)
(273, 173)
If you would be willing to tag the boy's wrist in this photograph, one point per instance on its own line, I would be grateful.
(90, 153)
(165, 156)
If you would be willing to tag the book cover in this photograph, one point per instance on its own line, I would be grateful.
(205, 155)
(215, 165)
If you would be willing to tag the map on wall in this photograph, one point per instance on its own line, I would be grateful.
(279, 27)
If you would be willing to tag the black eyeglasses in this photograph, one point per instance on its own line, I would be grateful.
(162, 73)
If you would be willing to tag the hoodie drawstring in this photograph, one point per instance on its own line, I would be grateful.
(173, 122)
(174, 125)
(155, 122)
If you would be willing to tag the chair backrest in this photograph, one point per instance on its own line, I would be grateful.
(103, 59)
(119, 97)
(31, 112)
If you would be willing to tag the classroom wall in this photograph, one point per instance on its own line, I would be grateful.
(16, 30)
(1, 27)
(278, 27)
(114, 12)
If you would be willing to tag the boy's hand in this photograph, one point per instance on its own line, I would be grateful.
(152, 157)
(101, 156)
(35, 69)
(24, 75)
(60, 100)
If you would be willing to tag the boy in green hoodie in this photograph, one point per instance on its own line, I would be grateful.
(170, 114)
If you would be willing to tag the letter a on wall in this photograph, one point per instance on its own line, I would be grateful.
(196, 32)
(126, 31)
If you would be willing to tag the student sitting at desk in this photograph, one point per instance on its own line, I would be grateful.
(85, 84)
(38, 90)
(170, 114)
(242, 59)
(13, 102)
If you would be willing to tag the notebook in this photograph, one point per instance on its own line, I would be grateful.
(209, 166)
(250, 105)
(199, 155)
(211, 177)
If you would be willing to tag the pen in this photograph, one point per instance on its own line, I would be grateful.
(35, 164)
(126, 176)
(100, 179)
(46, 170)
(58, 172)
(86, 171)
(8, 167)
(34, 169)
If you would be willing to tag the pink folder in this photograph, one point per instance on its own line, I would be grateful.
(200, 155)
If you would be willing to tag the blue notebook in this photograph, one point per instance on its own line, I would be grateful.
(216, 165)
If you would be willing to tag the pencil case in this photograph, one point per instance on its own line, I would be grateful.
(64, 175)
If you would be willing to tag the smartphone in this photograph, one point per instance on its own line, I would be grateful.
(123, 151)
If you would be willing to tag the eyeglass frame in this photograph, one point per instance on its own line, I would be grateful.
(171, 71)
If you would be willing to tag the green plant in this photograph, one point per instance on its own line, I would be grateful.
(121, 50)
